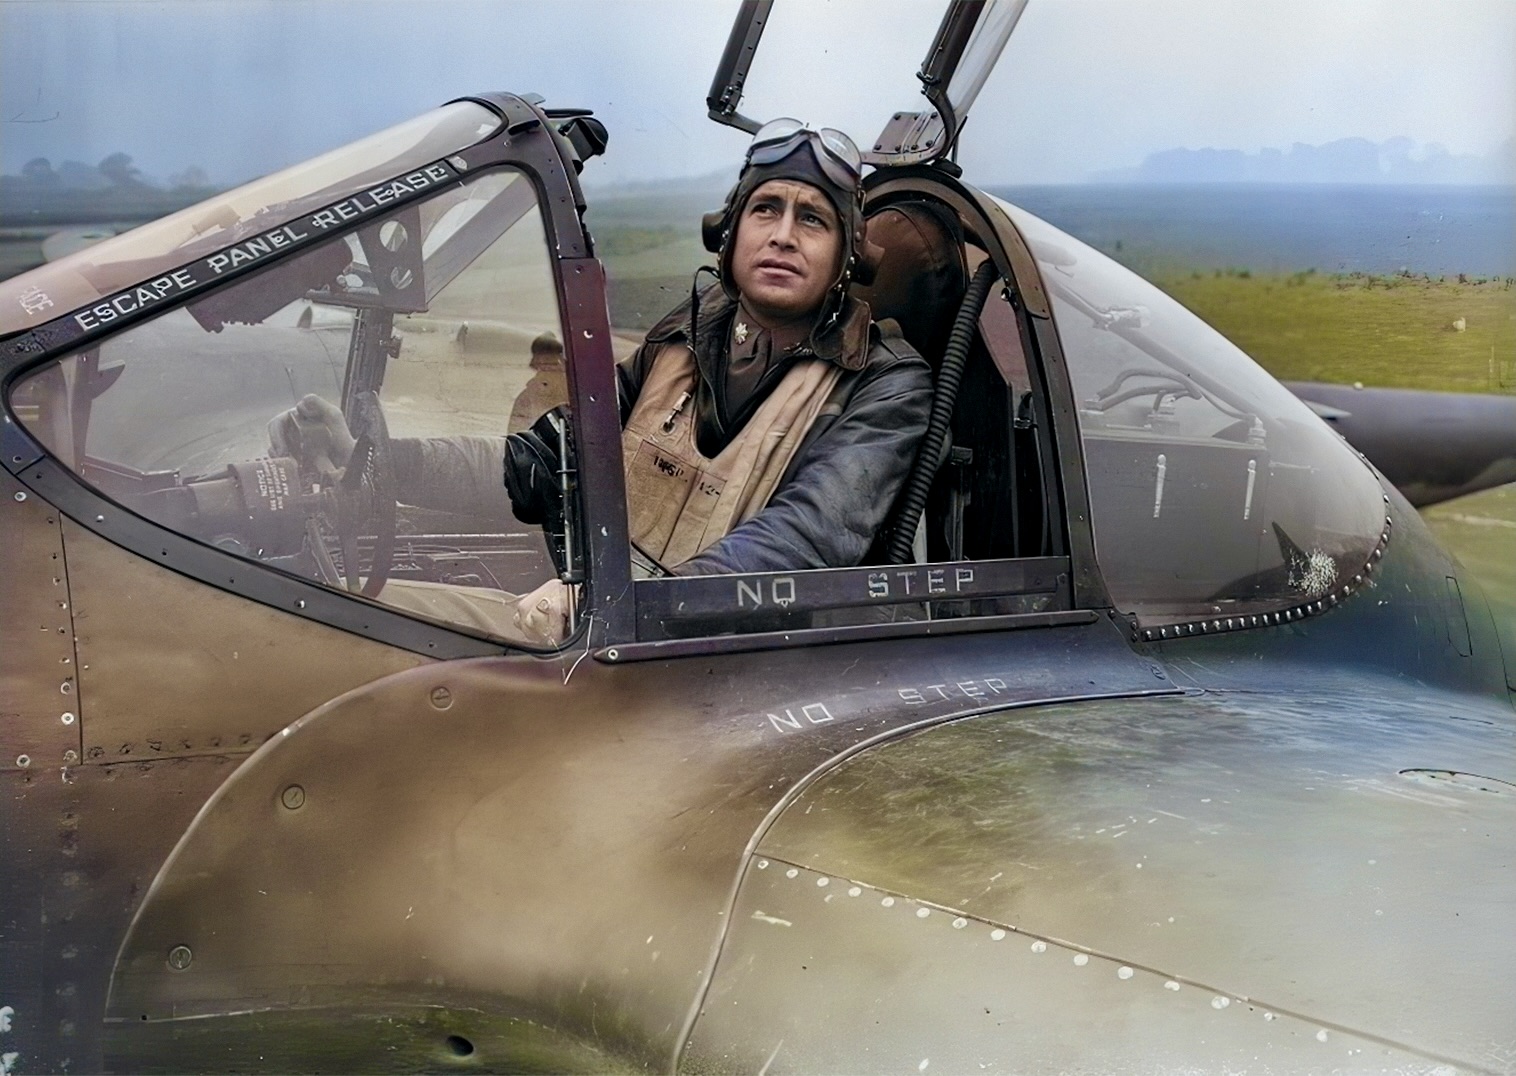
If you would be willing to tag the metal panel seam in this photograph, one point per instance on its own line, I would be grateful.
(795, 790)
(1115, 958)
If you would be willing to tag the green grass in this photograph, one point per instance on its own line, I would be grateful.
(1389, 331)
(1480, 530)
(648, 271)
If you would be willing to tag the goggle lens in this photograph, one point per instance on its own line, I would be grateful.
(780, 130)
(839, 156)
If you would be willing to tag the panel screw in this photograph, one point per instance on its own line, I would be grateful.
(68, 718)
(441, 697)
(179, 957)
(293, 797)
(70, 756)
(613, 653)
(23, 761)
(20, 496)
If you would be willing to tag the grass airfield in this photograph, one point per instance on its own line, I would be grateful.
(1398, 331)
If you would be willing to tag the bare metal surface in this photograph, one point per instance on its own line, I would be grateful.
(551, 850)
(80, 847)
(836, 975)
(38, 674)
(1265, 851)
(171, 667)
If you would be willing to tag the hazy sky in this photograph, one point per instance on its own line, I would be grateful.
(241, 87)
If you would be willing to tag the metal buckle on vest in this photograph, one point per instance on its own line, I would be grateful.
(668, 423)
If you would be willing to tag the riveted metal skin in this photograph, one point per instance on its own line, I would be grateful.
(81, 845)
(170, 685)
(169, 667)
(40, 676)
(1104, 882)
(442, 836)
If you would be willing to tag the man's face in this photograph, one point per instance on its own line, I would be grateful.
(787, 251)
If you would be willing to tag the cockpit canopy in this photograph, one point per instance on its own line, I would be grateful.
(432, 318)
(149, 255)
(960, 58)
(1216, 494)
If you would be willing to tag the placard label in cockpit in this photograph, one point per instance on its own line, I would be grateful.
(914, 582)
(259, 248)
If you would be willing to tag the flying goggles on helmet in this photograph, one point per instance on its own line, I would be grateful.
(836, 153)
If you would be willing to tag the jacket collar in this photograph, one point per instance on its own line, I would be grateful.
(844, 340)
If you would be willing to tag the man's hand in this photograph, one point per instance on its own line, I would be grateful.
(543, 615)
(315, 434)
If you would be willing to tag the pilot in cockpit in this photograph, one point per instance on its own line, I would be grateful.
(768, 423)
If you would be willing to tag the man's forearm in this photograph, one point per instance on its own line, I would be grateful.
(452, 474)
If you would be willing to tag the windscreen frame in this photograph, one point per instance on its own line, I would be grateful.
(531, 146)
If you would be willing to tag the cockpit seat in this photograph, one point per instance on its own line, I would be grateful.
(920, 280)
(920, 276)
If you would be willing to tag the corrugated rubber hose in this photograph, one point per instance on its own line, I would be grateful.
(934, 446)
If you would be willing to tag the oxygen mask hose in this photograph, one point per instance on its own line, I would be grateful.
(934, 446)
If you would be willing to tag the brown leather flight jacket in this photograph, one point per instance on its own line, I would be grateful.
(842, 481)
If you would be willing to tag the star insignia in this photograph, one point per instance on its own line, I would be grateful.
(740, 332)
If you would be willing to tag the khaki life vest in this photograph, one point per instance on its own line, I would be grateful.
(680, 501)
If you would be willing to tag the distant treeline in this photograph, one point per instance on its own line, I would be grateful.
(1347, 160)
(77, 193)
(1155, 229)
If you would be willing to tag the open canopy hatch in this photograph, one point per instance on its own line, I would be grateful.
(961, 56)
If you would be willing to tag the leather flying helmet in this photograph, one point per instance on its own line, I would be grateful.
(827, 160)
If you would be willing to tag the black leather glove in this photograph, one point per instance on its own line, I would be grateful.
(531, 473)
(536, 488)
